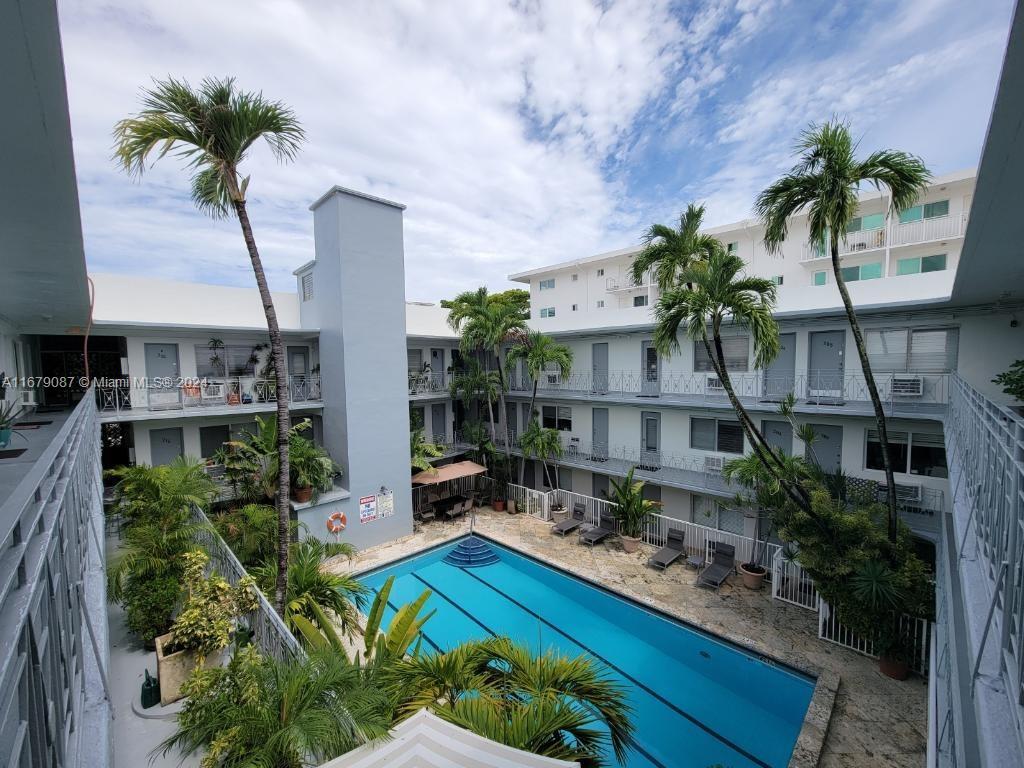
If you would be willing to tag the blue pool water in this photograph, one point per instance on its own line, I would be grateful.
(697, 700)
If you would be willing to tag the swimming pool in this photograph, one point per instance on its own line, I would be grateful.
(697, 700)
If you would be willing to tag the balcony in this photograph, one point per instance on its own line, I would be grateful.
(425, 385)
(142, 399)
(909, 393)
(896, 235)
(615, 285)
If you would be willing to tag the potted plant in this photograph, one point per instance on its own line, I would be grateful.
(631, 509)
(312, 470)
(9, 413)
(204, 627)
(752, 572)
(215, 346)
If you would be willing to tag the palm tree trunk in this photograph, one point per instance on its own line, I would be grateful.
(503, 410)
(533, 403)
(869, 379)
(283, 416)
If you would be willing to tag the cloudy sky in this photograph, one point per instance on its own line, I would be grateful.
(517, 133)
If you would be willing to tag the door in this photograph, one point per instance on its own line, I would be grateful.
(298, 373)
(525, 412)
(599, 486)
(599, 368)
(166, 445)
(510, 420)
(650, 440)
(437, 421)
(827, 450)
(780, 375)
(779, 434)
(212, 438)
(599, 434)
(529, 477)
(652, 492)
(437, 378)
(162, 372)
(826, 366)
(650, 385)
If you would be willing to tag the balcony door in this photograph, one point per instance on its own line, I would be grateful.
(650, 385)
(827, 450)
(780, 375)
(437, 422)
(163, 372)
(599, 368)
(599, 434)
(650, 440)
(298, 372)
(165, 445)
(826, 366)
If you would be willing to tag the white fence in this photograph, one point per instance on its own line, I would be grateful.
(593, 507)
(791, 584)
(831, 630)
(529, 501)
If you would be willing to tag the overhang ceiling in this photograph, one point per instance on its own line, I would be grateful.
(42, 262)
(991, 266)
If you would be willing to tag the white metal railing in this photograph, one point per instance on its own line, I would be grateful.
(529, 501)
(791, 583)
(833, 631)
(199, 393)
(928, 230)
(700, 539)
(426, 382)
(54, 657)
(593, 507)
(854, 242)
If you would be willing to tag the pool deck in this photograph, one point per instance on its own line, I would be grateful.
(857, 718)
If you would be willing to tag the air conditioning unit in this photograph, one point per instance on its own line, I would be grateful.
(907, 385)
(715, 386)
(713, 464)
(552, 378)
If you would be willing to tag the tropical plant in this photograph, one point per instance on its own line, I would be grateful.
(421, 450)
(382, 648)
(549, 704)
(287, 714)
(539, 353)
(544, 444)
(824, 183)
(145, 493)
(149, 605)
(311, 466)
(213, 128)
(473, 382)
(1012, 381)
(668, 252)
(215, 346)
(250, 531)
(474, 433)
(631, 510)
(320, 602)
(152, 549)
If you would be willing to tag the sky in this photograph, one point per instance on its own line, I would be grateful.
(518, 134)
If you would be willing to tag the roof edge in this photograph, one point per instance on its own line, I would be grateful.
(337, 190)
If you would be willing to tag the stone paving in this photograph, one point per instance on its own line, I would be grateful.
(875, 721)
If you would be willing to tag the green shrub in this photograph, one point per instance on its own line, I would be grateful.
(149, 606)
(1012, 381)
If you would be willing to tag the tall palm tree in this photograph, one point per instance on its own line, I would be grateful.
(825, 182)
(538, 351)
(669, 251)
(474, 382)
(212, 128)
(543, 444)
(707, 295)
(548, 704)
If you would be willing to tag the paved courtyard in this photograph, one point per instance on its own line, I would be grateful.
(875, 721)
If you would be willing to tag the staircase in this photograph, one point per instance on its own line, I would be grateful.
(472, 553)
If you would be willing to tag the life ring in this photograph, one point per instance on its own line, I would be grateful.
(336, 522)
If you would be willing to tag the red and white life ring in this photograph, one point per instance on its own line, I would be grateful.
(336, 522)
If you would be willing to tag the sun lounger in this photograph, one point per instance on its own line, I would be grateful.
(570, 524)
(671, 552)
(722, 564)
(600, 532)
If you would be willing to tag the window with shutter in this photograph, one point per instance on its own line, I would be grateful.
(899, 448)
(730, 437)
(307, 286)
(928, 455)
(887, 349)
(702, 434)
(415, 359)
(735, 349)
(933, 350)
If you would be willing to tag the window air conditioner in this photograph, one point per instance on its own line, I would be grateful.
(907, 385)
(713, 463)
(714, 385)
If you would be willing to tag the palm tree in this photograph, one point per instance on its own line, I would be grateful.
(151, 550)
(543, 444)
(287, 714)
(539, 351)
(145, 493)
(825, 183)
(669, 251)
(476, 383)
(547, 704)
(421, 451)
(708, 294)
(212, 128)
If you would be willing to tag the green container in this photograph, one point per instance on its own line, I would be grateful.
(150, 691)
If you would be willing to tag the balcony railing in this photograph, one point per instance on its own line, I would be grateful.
(910, 233)
(155, 395)
(53, 642)
(427, 383)
(900, 392)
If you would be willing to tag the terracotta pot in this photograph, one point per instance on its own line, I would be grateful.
(499, 505)
(752, 575)
(894, 668)
(629, 544)
(302, 495)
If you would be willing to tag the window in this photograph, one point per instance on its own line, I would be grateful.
(732, 247)
(600, 273)
(227, 361)
(415, 360)
(920, 350)
(556, 417)
(575, 277)
(640, 301)
(926, 211)
(547, 312)
(777, 279)
(735, 349)
(307, 286)
(716, 435)
(862, 272)
(865, 223)
(575, 307)
(917, 453)
(600, 303)
(820, 278)
(917, 264)
(547, 285)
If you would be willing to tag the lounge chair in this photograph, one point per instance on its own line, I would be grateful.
(456, 509)
(723, 561)
(570, 524)
(671, 552)
(600, 532)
